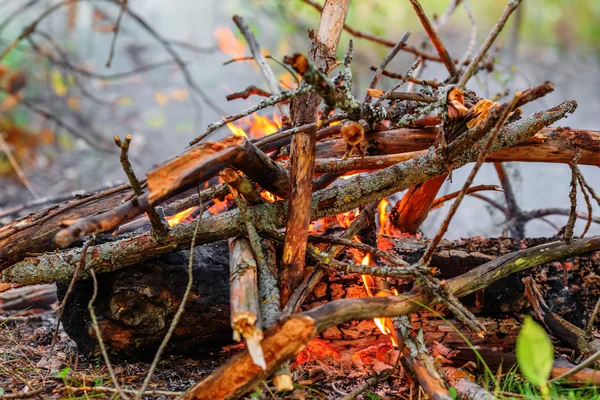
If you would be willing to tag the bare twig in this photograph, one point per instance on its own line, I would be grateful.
(480, 159)
(568, 236)
(249, 91)
(480, 188)
(17, 168)
(512, 207)
(98, 335)
(385, 62)
(157, 225)
(376, 39)
(273, 100)
(434, 83)
(113, 44)
(512, 5)
(176, 317)
(435, 39)
(61, 308)
(401, 82)
(590, 326)
(588, 202)
(473, 39)
(266, 70)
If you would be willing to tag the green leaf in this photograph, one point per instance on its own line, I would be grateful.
(372, 396)
(534, 352)
(63, 373)
(453, 393)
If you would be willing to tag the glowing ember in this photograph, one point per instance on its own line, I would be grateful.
(345, 219)
(180, 217)
(346, 177)
(228, 43)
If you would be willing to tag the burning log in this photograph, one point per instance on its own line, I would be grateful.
(59, 266)
(290, 335)
(135, 305)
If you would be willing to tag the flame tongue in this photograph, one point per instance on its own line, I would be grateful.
(180, 217)
(385, 325)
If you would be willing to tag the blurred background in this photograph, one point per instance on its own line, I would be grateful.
(61, 105)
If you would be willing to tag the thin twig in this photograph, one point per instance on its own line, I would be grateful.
(588, 202)
(480, 188)
(480, 159)
(590, 326)
(589, 188)
(512, 5)
(385, 62)
(18, 170)
(435, 39)
(407, 76)
(158, 226)
(176, 317)
(434, 83)
(249, 91)
(584, 364)
(109, 367)
(568, 236)
(266, 70)
(113, 44)
(61, 308)
(376, 39)
(473, 39)
(274, 99)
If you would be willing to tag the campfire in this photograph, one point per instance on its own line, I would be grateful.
(292, 241)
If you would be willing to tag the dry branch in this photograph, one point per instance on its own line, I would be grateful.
(204, 161)
(571, 335)
(289, 336)
(265, 69)
(302, 154)
(59, 266)
(435, 39)
(245, 310)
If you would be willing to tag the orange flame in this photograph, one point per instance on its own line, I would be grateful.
(270, 197)
(219, 206)
(262, 126)
(345, 219)
(236, 130)
(257, 126)
(180, 217)
(228, 43)
(385, 325)
(384, 222)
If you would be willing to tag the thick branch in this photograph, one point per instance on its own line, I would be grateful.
(355, 192)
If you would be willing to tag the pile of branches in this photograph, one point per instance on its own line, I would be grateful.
(405, 140)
